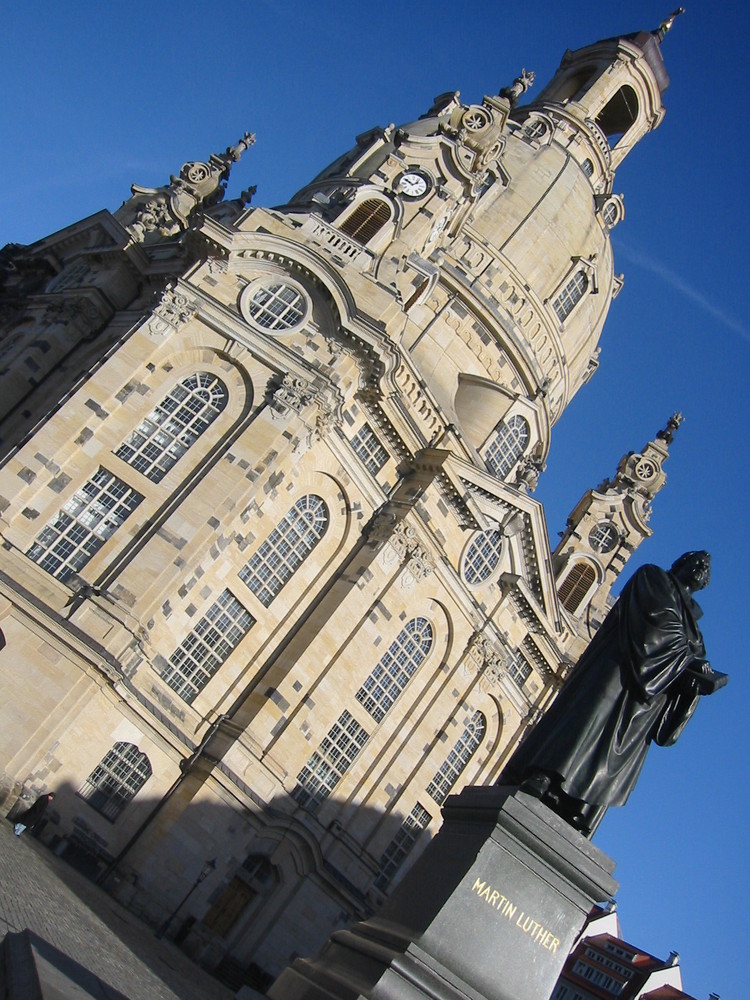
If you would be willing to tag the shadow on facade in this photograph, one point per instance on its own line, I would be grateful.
(242, 892)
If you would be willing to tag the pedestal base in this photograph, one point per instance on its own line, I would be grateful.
(489, 912)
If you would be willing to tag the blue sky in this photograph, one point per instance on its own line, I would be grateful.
(100, 95)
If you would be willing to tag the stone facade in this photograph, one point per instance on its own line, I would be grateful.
(273, 579)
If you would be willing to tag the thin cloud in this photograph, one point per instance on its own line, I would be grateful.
(680, 285)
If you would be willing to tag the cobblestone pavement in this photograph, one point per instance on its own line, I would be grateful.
(43, 893)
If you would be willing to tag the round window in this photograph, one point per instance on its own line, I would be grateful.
(482, 556)
(603, 537)
(610, 214)
(476, 118)
(535, 129)
(274, 305)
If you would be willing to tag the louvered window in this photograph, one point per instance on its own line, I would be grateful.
(576, 585)
(367, 219)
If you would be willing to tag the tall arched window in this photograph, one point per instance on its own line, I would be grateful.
(576, 585)
(286, 548)
(571, 294)
(175, 423)
(367, 219)
(330, 762)
(207, 646)
(619, 114)
(83, 524)
(396, 667)
(506, 445)
(123, 771)
(519, 668)
(407, 836)
(458, 758)
(482, 556)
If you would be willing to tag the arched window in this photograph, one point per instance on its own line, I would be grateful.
(482, 556)
(369, 449)
(619, 114)
(83, 524)
(123, 771)
(207, 646)
(330, 762)
(396, 667)
(458, 758)
(175, 423)
(571, 295)
(507, 444)
(367, 219)
(519, 668)
(395, 854)
(576, 585)
(286, 548)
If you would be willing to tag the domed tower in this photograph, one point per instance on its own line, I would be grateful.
(479, 237)
(604, 529)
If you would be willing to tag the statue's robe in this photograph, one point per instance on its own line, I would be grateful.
(629, 688)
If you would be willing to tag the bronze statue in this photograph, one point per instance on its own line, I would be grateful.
(638, 682)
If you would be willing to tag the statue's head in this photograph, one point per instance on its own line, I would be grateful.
(693, 570)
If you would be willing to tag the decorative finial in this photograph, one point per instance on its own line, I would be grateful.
(667, 23)
(519, 86)
(236, 151)
(667, 435)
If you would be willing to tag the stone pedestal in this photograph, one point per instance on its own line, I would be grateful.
(489, 912)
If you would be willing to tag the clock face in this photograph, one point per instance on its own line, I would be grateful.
(413, 184)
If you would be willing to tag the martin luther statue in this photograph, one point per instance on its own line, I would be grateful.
(638, 682)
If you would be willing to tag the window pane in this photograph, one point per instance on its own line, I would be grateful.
(207, 646)
(286, 548)
(402, 843)
(369, 449)
(396, 667)
(116, 780)
(482, 556)
(506, 445)
(329, 763)
(458, 758)
(571, 294)
(85, 522)
(173, 425)
(277, 306)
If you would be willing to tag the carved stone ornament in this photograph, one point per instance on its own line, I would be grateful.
(293, 394)
(402, 545)
(154, 217)
(325, 421)
(217, 265)
(174, 309)
(79, 310)
(527, 473)
(487, 661)
(645, 469)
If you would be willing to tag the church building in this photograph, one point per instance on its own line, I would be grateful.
(274, 581)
